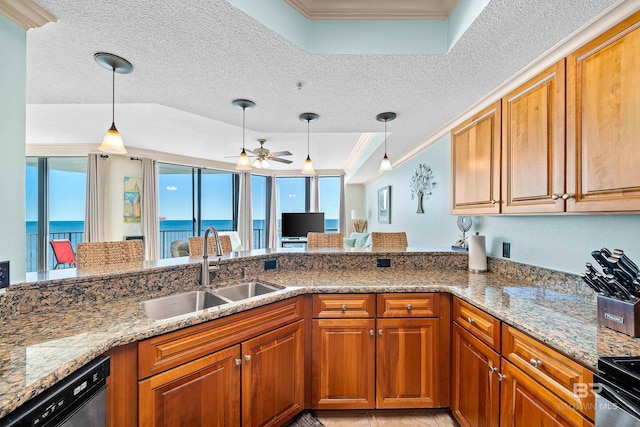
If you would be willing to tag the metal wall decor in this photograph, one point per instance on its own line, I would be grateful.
(421, 184)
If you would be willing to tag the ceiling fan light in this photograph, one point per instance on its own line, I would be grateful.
(112, 142)
(260, 163)
(385, 164)
(307, 168)
(243, 162)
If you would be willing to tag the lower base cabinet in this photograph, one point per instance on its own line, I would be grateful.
(264, 376)
(273, 376)
(475, 397)
(527, 403)
(204, 392)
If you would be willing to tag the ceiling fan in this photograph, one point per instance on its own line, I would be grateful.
(264, 155)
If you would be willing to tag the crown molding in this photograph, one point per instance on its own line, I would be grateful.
(26, 13)
(367, 10)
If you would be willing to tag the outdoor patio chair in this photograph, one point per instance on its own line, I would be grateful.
(63, 252)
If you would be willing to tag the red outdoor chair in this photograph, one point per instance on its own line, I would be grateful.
(63, 252)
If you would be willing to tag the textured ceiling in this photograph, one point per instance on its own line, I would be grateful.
(193, 58)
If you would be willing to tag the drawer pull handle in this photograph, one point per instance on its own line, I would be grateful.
(501, 377)
(344, 307)
(494, 202)
(247, 357)
(238, 362)
(493, 369)
(556, 196)
(535, 363)
(371, 332)
(470, 320)
(380, 332)
(567, 196)
(409, 306)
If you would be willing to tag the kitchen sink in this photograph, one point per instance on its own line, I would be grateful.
(175, 305)
(245, 290)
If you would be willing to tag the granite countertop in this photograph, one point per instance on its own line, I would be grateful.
(38, 349)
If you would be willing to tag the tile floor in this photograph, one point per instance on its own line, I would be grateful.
(387, 418)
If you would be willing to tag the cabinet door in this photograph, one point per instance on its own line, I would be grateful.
(603, 121)
(204, 392)
(475, 164)
(476, 389)
(408, 363)
(533, 143)
(343, 364)
(273, 376)
(527, 403)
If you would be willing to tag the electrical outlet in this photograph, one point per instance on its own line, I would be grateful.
(4, 274)
(506, 250)
(270, 264)
(384, 262)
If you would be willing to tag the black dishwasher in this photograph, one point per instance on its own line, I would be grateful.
(77, 400)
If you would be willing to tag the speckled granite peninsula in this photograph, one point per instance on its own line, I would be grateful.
(58, 321)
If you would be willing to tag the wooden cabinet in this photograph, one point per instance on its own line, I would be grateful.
(399, 360)
(482, 325)
(408, 366)
(273, 376)
(343, 360)
(603, 121)
(525, 402)
(475, 399)
(533, 144)
(475, 163)
(203, 392)
(247, 368)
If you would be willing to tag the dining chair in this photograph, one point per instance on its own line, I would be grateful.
(324, 240)
(196, 245)
(97, 254)
(388, 240)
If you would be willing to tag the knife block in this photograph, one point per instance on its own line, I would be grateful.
(622, 316)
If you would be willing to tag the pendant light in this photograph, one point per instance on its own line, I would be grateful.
(243, 161)
(112, 141)
(307, 168)
(385, 164)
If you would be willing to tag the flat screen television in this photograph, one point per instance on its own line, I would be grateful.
(298, 224)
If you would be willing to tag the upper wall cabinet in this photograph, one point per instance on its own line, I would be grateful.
(533, 144)
(475, 164)
(603, 122)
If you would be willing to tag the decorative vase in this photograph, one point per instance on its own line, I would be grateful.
(420, 197)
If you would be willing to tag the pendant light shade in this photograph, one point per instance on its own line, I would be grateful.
(244, 164)
(307, 168)
(385, 164)
(112, 141)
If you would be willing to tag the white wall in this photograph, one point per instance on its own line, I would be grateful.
(354, 196)
(12, 144)
(117, 168)
(561, 242)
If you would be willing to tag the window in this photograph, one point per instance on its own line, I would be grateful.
(329, 198)
(192, 199)
(55, 204)
(259, 210)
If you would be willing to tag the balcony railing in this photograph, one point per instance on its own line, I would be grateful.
(166, 237)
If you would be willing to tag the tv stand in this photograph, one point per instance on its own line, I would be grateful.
(293, 240)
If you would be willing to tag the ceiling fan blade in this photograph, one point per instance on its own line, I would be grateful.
(281, 153)
(277, 159)
(249, 151)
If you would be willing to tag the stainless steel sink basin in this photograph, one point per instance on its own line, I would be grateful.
(245, 290)
(175, 305)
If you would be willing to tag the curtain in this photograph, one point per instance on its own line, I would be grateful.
(94, 216)
(273, 221)
(150, 216)
(315, 194)
(245, 223)
(342, 222)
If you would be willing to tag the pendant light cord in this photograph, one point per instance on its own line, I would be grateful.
(385, 137)
(113, 97)
(243, 110)
(308, 120)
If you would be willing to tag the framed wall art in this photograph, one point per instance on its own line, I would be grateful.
(384, 205)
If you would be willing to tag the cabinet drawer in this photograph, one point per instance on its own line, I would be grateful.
(344, 306)
(553, 370)
(166, 351)
(408, 305)
(482, 325)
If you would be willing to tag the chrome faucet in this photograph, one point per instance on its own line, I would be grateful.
(206, 280)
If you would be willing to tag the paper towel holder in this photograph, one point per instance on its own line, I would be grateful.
(477, 254)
